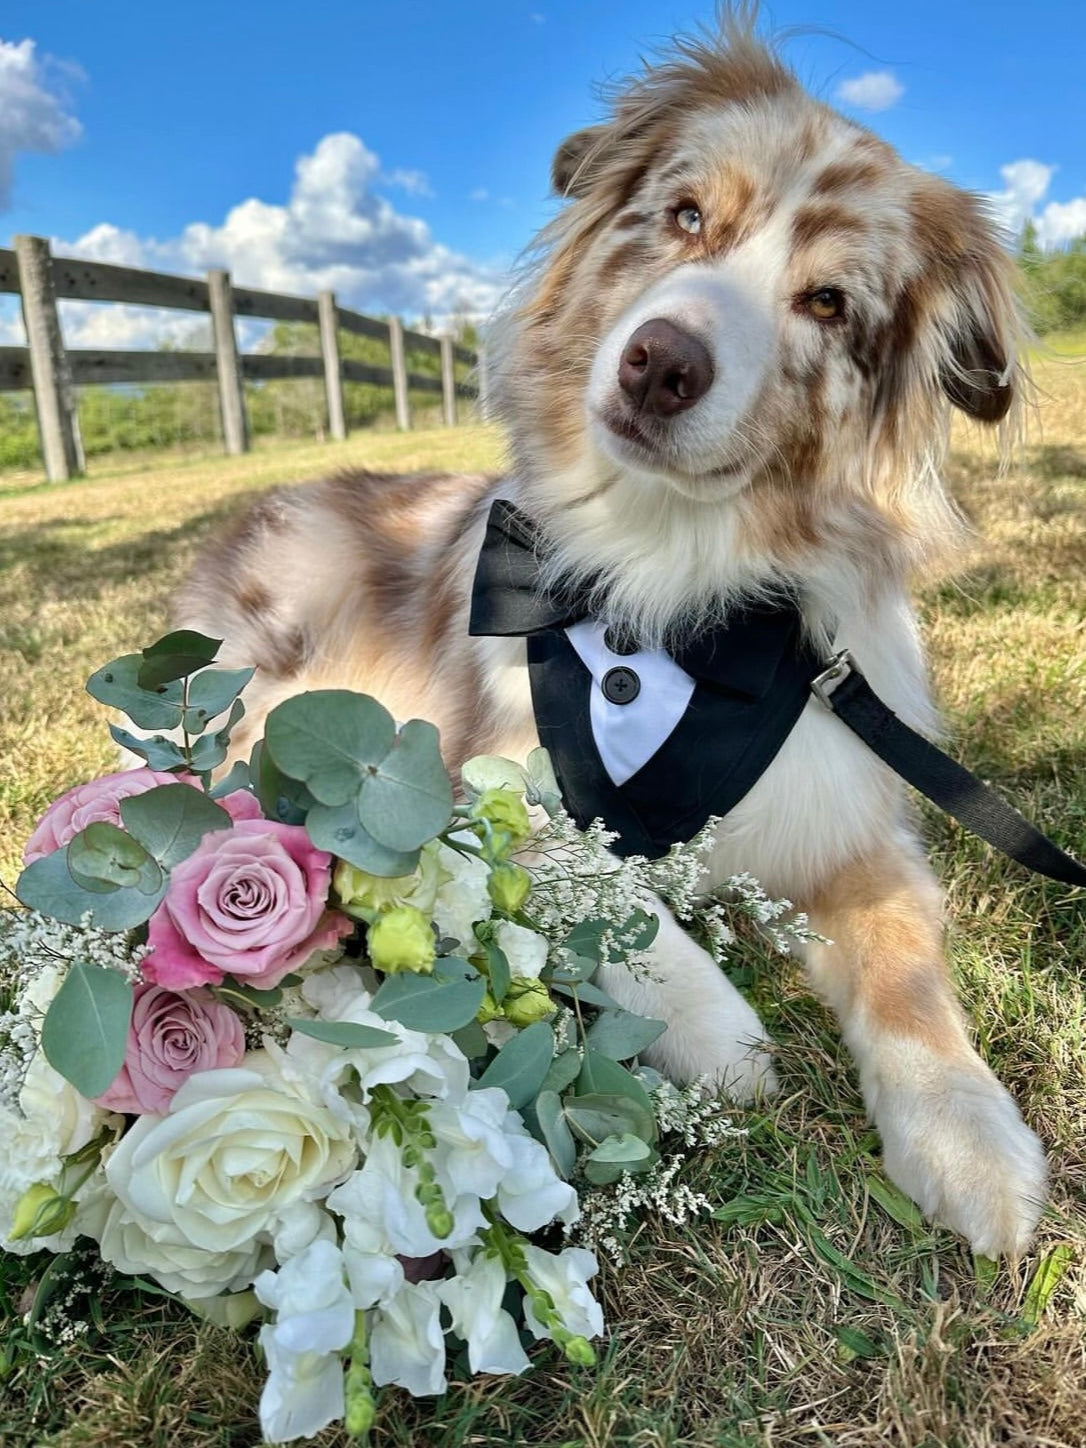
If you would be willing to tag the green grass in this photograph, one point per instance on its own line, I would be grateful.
(816, 1310)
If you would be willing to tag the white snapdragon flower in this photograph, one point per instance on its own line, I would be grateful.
(407, 1343)
(378, 1205)
(531, 1193)
(303, 1348)
(564, 1277)
(463, 899)
(474, 1297)
(525, 951)
(473, 1151)
(236, 1150)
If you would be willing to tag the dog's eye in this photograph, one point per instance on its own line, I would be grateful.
(825, 305)
(688, 218)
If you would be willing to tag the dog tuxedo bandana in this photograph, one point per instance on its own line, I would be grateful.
(653, 742)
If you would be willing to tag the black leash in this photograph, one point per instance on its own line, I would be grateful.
(844, 690)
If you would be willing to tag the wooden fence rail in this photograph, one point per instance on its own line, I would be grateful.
(53, 371)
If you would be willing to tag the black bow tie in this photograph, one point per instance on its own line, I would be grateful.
(741, 656)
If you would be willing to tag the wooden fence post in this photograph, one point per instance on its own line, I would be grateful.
(54, 393)
(399, 372)
(333, 379)
(448, 383)
(235, 432)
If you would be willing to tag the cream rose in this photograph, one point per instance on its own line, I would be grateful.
(235, 1152)
(136, 1245)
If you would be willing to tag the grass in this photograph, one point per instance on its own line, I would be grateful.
(816, 1309)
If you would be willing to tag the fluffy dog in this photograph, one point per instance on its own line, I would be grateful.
(727, 369)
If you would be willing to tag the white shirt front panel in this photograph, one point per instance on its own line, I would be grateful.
(628, 735)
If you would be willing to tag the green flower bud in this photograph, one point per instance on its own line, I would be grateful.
(490, 1010)
(580, 1351)
(440, 1220)
(526, 1001)
(366, 896)
(361, 1413)
(507, 815)
(402, 939)
(40, 1212)
(508, 887)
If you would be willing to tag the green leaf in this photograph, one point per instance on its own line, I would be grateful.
(573, 969)
(1049, 1273)
(117, 684)
(211, 693)
(338, 830)
(429, 1003)
(586, 993)
(170, 821)
(85, 1030)
(281, 798)
(562, 1072)
(343, 1033)
(331, 740)
(472, 1040)
(184, 641)
(520, 1066)
(407, 799)
(233, 782)
(158, 751)
(210, 750)
(497, 967)
(585, 939)
(543, 787)
(555, 1132)
(599, 1073)
(248, 995)
(595, 1117)
(897, 1206)
(104, 852)
(47, 886)
(856, 1344)
(617, 1155)
(620, 1034)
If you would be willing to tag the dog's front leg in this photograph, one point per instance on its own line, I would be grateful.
(711, 1030)
(952, 1136)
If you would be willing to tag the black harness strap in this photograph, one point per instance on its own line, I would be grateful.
(845, 691)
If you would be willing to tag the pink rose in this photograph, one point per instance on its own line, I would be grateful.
(170, 1037)
(101, 800)
(250, 902)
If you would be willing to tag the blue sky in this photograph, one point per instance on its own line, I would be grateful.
(399, 152)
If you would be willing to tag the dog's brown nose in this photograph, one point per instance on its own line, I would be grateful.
(664, 370)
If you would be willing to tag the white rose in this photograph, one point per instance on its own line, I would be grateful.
(525, 951)
(236, 1150)
(136, 1245)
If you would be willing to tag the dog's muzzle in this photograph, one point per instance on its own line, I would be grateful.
(663, 369)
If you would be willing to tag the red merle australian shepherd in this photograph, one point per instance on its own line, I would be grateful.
(728, 370)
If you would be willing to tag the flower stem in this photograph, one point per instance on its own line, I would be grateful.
(361, 1410)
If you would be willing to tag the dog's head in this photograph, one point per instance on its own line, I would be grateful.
(747, 295)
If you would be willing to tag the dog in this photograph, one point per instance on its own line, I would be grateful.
(727, 370)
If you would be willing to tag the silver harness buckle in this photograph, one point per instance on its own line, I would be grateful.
(836, 672)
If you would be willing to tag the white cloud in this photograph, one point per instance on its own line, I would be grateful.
(1026, 184)
(336, 231)
(415, 183)
(875, 90)
(33, 116)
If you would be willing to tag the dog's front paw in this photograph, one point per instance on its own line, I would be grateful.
(730, 1054)
(959, 1147)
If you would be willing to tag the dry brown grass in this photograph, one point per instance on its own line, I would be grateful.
(810, 1316)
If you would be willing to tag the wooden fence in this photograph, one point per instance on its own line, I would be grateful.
(53, 371)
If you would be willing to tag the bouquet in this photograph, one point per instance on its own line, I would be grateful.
(317, 1044)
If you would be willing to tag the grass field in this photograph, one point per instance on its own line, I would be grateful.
(816, 1310)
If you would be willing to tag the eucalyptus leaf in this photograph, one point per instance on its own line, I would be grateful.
(543, 788)
(249, 995)
(165, 668)
(555, 1132)
(117, 684)
(331, 740)
(573, 969)
(350, 1034)
(337, 828)
(600, 1075)
(170, 821)
(428, 1003)
(472, 1040)
(103, 851)
(85, 1030)
(281, 798)
(185, 641)
(596, 1117)
(211, 693)
(586, 993)
(620, 1034)
(490, 771)
(617, 1155)
(156, 750)
(562, 1072)
(497, 969)
(208, 753)
(520, 1066)
(406, 799)
(234, 781)
(47, 885)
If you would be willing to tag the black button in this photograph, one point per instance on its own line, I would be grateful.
(620, 686)
(618, 641)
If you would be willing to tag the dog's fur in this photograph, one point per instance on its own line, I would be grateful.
(812, 459)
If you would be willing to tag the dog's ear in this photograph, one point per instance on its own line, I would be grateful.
(570, 173)
(980, 319)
